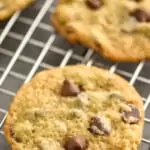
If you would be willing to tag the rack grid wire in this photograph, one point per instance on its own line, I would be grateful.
(29, 44)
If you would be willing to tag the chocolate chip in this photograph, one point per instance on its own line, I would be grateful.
(132, 116)
(94, 4)
(69, 88)
(76, 143)
(99, 126)
(141, 15)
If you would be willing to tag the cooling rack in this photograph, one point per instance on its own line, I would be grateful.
(28, 44)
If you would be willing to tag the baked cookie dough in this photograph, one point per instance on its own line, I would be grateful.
(119, 29)
(75, 108)
(8, 7)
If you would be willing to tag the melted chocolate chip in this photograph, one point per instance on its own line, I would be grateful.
(99, 126)
(132, 116)
(94, 4)
(76, 143)
(69, 88)
(141, 15)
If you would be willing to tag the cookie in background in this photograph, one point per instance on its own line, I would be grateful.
(8, 7)
(118, 29)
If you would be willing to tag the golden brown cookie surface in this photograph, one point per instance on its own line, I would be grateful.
(120, 30)
(75, 107)
(8, 7)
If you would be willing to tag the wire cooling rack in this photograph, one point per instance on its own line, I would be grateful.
(28, 44)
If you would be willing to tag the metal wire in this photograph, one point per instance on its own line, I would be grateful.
(26, 38)
(45, 48)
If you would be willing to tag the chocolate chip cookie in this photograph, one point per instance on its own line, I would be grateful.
(8, 7)
(119, 29)
(75, 108)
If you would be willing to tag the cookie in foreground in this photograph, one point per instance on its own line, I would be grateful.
(75, 107)
(120, 30)
(8, 7)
